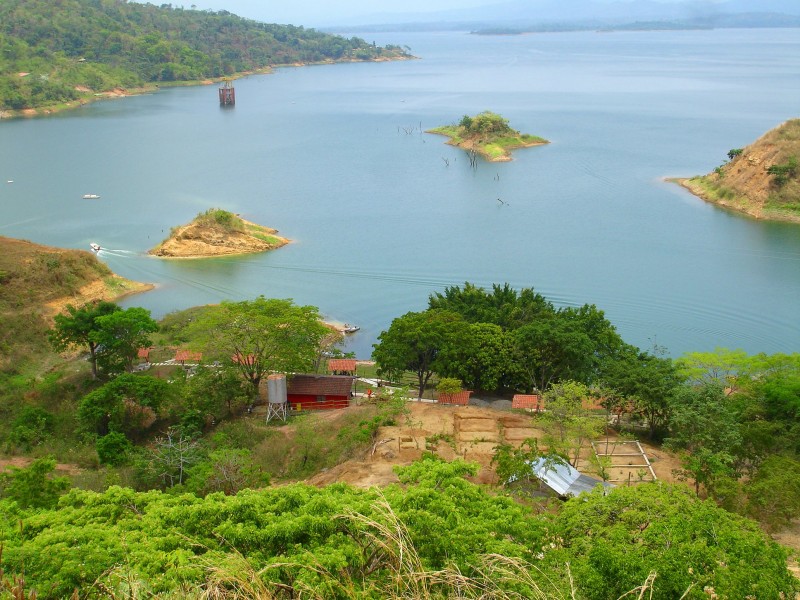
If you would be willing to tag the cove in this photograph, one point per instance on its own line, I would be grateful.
(381, 214)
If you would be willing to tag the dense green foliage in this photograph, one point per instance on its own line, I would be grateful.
(485, 124)
(339, 542)
(221, 219)
(128, 404)
(499, 340)
(419, 342)
(614, 541)
(73, 48)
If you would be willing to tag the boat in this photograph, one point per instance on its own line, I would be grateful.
(95, 247)
(90, 196)
(350, 328)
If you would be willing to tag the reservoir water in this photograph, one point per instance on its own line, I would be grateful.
(382, 215)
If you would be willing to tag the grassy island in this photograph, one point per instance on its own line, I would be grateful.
(489, 135)
(217, 232)
(761, 180)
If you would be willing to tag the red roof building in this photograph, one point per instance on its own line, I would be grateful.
(319, 392)
(342, 366)
(458, 398)
(528, 402)
(182, 356)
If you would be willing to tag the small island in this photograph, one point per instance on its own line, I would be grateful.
(489, 135)
(218, 232)
(761, 180)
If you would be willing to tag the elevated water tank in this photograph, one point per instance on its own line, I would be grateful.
(276, 388)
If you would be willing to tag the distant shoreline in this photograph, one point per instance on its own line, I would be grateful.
(44, 111)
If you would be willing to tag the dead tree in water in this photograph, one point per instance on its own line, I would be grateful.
(446, 161)
(472, 154)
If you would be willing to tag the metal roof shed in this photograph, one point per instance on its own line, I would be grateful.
(564, 479)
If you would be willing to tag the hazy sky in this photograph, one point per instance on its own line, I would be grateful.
(324, 12)
(318, 13)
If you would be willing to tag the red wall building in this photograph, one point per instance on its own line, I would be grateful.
(319, 392)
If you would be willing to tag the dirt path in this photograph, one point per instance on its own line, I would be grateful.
(21, 462)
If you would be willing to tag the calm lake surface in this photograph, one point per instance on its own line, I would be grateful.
(380, 221)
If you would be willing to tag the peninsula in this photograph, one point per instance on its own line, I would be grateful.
(761, 180)
(218, 232)
(489, 135)
(37, 282)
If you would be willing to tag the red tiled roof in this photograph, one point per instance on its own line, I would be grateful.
(144, 353)
(342, 364)
(527, 401)
(320, 385)
(461, 398)
(184, 355)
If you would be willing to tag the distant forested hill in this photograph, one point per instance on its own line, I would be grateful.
(55, 51)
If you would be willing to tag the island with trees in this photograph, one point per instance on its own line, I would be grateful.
(56, 55)
(217, 232)
(489, 135)
(761, 180)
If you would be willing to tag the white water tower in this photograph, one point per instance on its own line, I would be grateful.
(277, 405)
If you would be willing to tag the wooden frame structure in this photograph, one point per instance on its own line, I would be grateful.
(632, 452)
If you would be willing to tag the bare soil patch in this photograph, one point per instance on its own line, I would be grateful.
(468, 432)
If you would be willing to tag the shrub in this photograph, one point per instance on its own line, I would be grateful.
(114, 449)
(31, 427)
(33, 486)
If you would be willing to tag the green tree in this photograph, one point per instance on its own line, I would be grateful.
(33, 486)
(502, 306)
(260, 336)
(216, 393)
(31, 427)
(705, 430)
(113, 449)
(118, 337)
(773, 493)
(615, 541)
(78, 328)
(418, 342)
(127, 404)
(644, 381)
(552, 350)
(568, 425)
(484, 361)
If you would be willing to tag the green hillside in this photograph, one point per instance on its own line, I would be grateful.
(57, 51)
